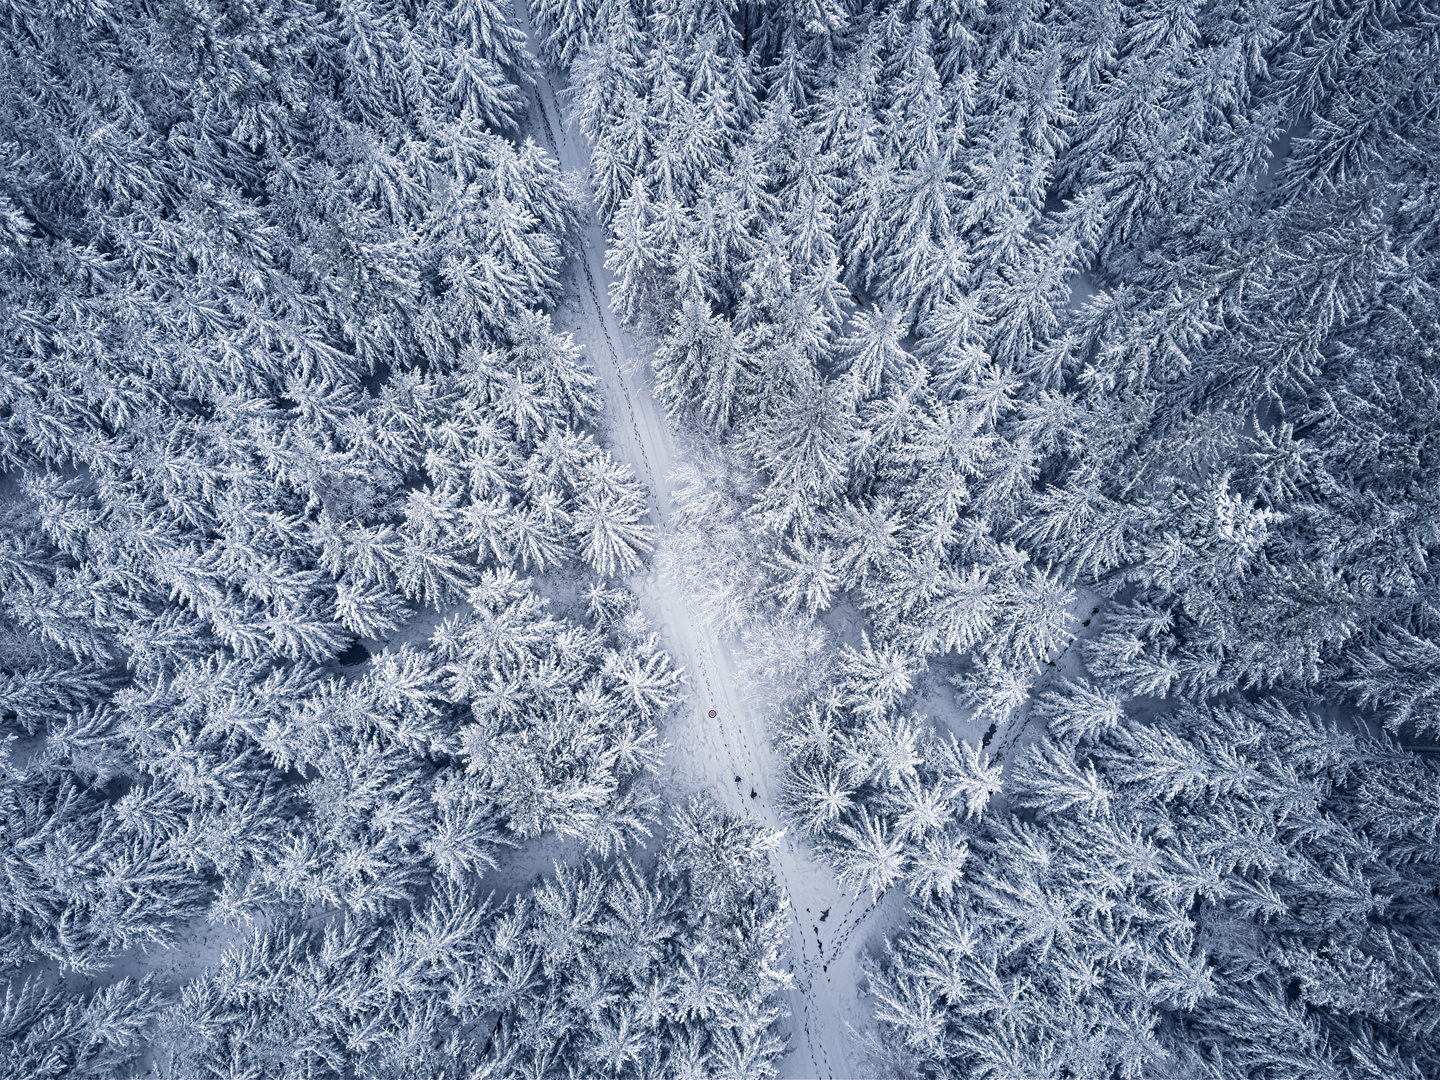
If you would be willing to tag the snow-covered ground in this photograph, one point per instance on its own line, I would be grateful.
(729, 756)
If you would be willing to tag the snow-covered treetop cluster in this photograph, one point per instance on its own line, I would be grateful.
(279, 383)
(1000, 298)
(986, 303)
(313, 561)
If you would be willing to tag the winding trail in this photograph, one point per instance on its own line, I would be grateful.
(729, 756)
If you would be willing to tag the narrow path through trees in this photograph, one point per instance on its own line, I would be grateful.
(730, 755)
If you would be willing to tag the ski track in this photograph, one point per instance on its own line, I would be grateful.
(730, 756)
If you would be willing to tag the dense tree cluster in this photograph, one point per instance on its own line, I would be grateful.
(1240, 891)
(601, 971)
(278, 384)
(883, 792)
(983, 302)
(983, 291)
(604, 970)
(967, 305)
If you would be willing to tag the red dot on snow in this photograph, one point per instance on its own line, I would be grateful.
(712, 714)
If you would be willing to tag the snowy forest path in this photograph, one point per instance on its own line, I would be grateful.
(729, 756)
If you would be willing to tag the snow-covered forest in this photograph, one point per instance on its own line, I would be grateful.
(678, 538)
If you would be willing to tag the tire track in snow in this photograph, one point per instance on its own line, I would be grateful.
(823, 1001)
(624, 390)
